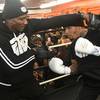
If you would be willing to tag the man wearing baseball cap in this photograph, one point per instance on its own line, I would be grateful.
(16, 56)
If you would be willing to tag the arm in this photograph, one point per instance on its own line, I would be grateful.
(73, 66)
(83, 48)
(57, 66)
(57, 21)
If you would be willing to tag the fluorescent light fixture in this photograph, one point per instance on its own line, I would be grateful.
(54, 3)
(1, 7)
(23, 0)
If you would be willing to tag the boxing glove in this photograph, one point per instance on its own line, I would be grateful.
(56, 65)
(83, 48)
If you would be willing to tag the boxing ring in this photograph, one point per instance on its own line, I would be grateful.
(69, 90)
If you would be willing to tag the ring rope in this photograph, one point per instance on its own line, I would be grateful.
(53, 79)
(59, 45)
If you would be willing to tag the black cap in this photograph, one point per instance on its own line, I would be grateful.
(13, 9)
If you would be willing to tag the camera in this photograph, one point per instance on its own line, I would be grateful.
(94, 23)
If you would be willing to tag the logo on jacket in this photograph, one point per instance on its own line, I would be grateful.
(19, 44)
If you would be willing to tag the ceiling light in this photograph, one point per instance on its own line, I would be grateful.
(54, 3)
(1, 7)
(23, 0)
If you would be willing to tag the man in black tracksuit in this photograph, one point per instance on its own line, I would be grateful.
(16, 56)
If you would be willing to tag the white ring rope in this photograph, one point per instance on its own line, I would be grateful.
(59, 45)
(53, 79)
(59, 77)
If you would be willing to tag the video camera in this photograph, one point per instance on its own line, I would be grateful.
(94, 23)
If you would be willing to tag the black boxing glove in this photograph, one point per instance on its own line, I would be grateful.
(41, 53)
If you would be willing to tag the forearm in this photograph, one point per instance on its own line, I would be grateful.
(57, 66)
(73, 66)
(57, 21)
